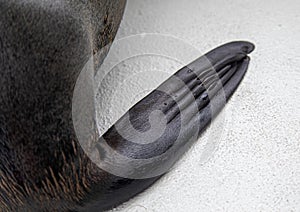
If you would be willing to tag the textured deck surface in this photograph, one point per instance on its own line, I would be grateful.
(253, 164)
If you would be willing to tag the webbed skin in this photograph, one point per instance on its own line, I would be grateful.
(43, 47)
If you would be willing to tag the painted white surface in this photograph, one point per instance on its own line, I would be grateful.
(256, 165)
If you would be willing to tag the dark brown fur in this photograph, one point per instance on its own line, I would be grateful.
(43, 47)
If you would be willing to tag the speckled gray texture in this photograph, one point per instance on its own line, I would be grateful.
(43, 47)
(256, 166)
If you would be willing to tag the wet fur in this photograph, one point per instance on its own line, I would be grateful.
(43, 47)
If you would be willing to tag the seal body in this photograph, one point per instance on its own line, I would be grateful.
(43, 47)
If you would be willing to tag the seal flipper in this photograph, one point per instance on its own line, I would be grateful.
(184, 102)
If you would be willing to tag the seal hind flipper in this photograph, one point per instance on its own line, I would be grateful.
(185, 101)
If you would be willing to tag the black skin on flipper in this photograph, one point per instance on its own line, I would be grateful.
(228, 63)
